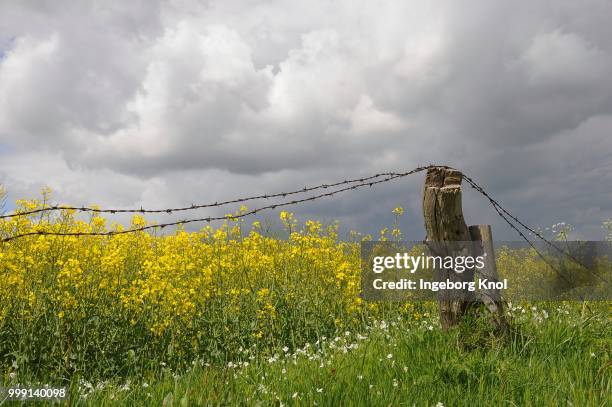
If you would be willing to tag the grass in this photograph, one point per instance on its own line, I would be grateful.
(558, 355)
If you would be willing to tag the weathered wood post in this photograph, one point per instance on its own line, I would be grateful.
(491, 298)
(444, 222)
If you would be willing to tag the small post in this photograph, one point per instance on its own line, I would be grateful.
(491, 298)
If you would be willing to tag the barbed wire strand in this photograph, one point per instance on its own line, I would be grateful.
(505, 214)
(226, 217)
(216, 204)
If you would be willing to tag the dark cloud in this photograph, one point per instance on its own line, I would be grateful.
(162, 103)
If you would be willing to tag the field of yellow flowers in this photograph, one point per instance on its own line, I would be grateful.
(127, 307)
(106, 306)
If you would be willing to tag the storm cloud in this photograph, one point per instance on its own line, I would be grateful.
(160, 103)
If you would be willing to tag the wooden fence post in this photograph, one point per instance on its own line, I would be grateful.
(444, 222)
(483, 238)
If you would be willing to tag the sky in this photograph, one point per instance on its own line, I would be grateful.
(165, 103)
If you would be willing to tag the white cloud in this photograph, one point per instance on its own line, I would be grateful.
(558, 59)
(198, 84)
(366, 119)
(25, 89)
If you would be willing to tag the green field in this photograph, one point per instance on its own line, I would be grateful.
(559, 355)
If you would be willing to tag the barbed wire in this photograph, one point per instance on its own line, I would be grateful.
(216, 204)
(507, 217)
(369, 182)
